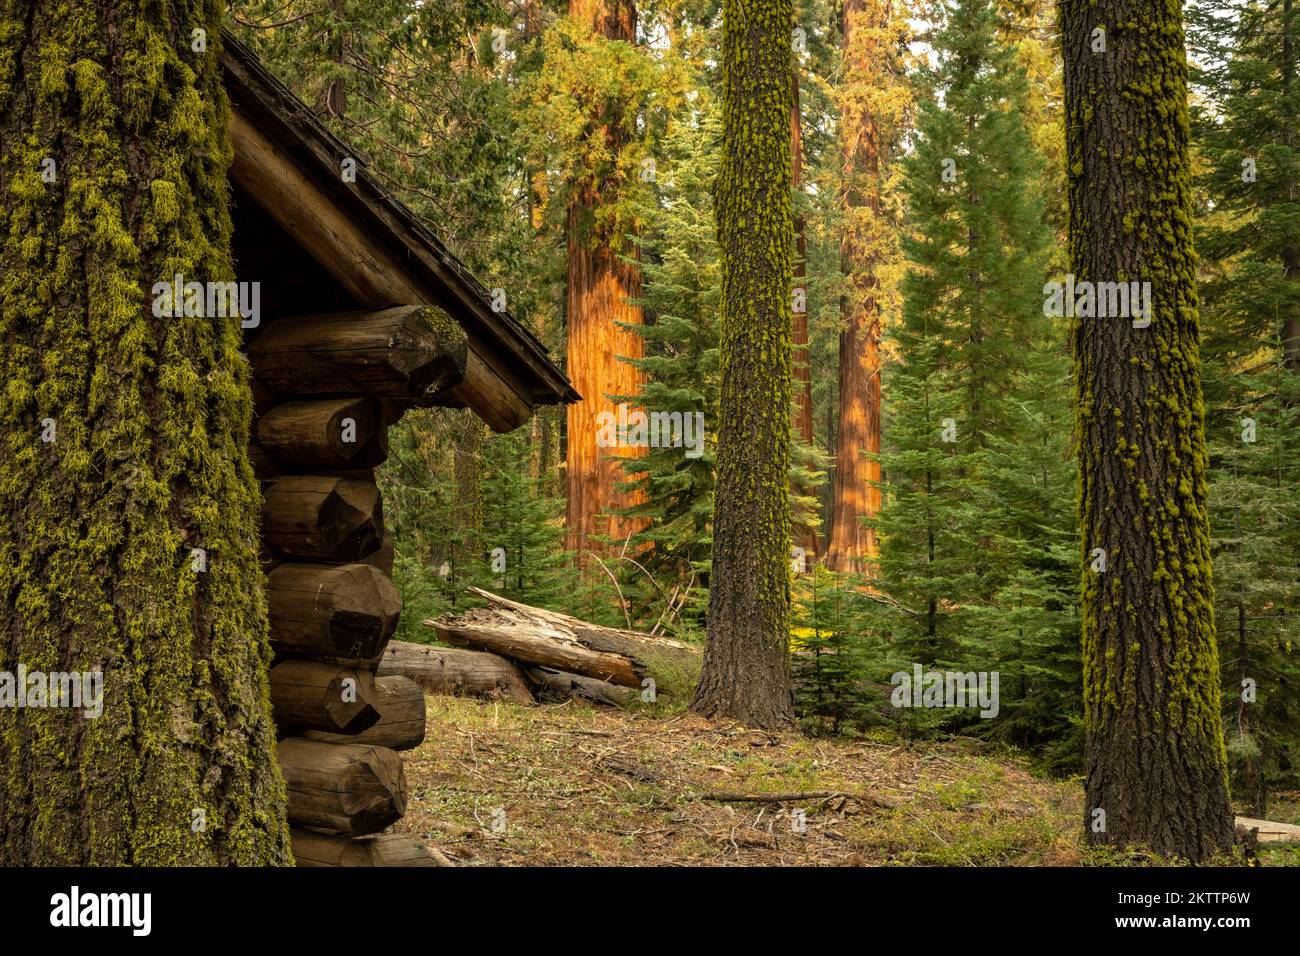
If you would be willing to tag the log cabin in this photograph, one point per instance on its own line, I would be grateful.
(364, 315)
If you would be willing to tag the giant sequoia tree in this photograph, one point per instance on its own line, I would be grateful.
(603, 286)
(874, 102)
(746, 674)
(1155, 754)
(124, 449)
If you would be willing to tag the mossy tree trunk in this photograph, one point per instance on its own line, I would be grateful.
(804, 535)
(746, 672)
(1155, 753)
(147, 421)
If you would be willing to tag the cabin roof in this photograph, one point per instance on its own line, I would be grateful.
(520, 362)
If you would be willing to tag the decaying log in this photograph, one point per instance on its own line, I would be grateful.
(400, 702)
(387, 849)
(554, 686)
(327, 435)
(565, 643)
(1270, 832)
(319, 610)
(348, 788)
(409, 351)
(449, 670)
(311, 695)
(332, 519)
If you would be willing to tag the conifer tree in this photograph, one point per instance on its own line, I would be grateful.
(1247, 127)
(972, 314)
(875, 100)
(679, 256)
(1156, 767)
(745, 673)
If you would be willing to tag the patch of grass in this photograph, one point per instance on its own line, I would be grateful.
(583, 785)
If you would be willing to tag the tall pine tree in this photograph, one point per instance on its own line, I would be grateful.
(746, 673)
(1157, 771)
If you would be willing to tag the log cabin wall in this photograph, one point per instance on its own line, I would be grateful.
(326, 388)
(364, 315)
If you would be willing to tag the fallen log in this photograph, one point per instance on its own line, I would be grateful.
(1270, 832)
(409, 351)
(339, 611)
(400, 702)
(347, 788)
(448, 670)
(322, 517)
(552, 686)
(387, 849)
(311, 695)
(327, 435)
(564, 643)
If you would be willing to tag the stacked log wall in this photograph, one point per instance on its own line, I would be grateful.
(326, 390)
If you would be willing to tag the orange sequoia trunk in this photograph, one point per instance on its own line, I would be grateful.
(600, 287)
(856, 493)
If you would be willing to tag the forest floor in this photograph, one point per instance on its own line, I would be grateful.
(504, 784)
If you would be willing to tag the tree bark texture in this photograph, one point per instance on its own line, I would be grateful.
(600, 290)
(1155, 754)
(114, 148)
(746, 674)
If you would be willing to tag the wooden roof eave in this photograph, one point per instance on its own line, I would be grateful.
(290, 165)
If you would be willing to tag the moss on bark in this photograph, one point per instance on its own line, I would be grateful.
(746, 672)
(149, 457)
(1156, 763)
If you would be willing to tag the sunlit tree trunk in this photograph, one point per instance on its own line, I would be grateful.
(600, 288)
(875, 99)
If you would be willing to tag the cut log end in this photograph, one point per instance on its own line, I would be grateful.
(345, 612)
(401, 724)
(319, 696)
(327, 435)
(323, 518)
(346, 788)
(410, 351)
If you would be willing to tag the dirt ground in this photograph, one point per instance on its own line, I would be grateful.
(503, 784)
(498, 784)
